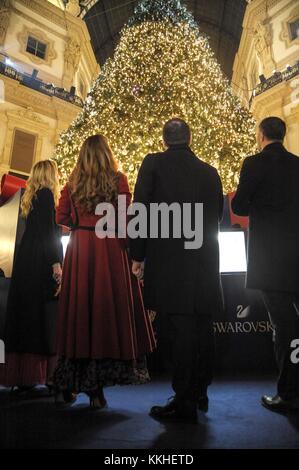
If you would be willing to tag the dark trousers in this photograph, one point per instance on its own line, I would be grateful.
(192, 341)
(283, 310)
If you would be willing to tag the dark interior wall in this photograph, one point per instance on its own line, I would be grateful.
(221, 20)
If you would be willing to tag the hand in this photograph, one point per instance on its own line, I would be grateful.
(57, 272)
(57, 293)
(138, 269)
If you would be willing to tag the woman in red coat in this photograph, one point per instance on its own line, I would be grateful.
(104, 332)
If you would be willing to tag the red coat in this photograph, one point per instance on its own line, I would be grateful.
(101, 312)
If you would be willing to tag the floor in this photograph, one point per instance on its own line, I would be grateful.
(235, 420)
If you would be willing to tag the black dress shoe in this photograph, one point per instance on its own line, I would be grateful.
(278, 404)
(175, 411)
(203, 404)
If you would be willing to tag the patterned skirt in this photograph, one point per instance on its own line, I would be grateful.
(87, 375)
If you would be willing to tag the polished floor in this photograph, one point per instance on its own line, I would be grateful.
(235, 420)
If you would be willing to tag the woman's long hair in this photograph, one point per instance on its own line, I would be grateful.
(44, 174)
(95, 176)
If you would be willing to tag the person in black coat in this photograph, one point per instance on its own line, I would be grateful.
(268, 192)
(182, 284)
(35, 280)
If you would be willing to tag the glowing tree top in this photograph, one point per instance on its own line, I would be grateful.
(163, 67)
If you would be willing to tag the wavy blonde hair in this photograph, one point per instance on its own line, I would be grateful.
(95, 176)
(44, 174)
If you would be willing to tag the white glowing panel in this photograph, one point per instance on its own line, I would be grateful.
(232, 252)
(231, 246)
(65, 241)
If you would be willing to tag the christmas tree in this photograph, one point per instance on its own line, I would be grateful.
(163, 67)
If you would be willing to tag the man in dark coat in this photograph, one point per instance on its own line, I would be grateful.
(269, 193)
(181, 282)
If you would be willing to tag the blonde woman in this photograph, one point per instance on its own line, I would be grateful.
(34, 283)
(103, 329)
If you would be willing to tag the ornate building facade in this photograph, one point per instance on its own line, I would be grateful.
(266, 67)
(47, 66)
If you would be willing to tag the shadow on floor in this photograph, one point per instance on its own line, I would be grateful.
(235, 420)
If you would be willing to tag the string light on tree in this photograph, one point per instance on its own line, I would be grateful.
(163, 67)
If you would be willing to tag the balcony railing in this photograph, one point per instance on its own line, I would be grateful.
(38, 85)
(275, 79)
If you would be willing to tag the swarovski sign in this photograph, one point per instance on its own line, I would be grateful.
(244, 326)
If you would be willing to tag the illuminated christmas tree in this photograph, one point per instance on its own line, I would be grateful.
(163, 67)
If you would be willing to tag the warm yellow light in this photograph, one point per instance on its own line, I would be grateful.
(161, 70)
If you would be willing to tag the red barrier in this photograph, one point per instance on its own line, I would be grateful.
(236, 219)
(9, 186)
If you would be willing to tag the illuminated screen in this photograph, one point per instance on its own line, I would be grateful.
(231, 246)
(232, 252)
(65, 241)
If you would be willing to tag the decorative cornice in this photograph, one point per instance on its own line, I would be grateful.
(46, 10)
(26, 113)
(258, 10)
(271, 101)
(59, 17)
(276, 93)
(38, 23)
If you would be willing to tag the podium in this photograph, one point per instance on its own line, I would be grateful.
(243, 332)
